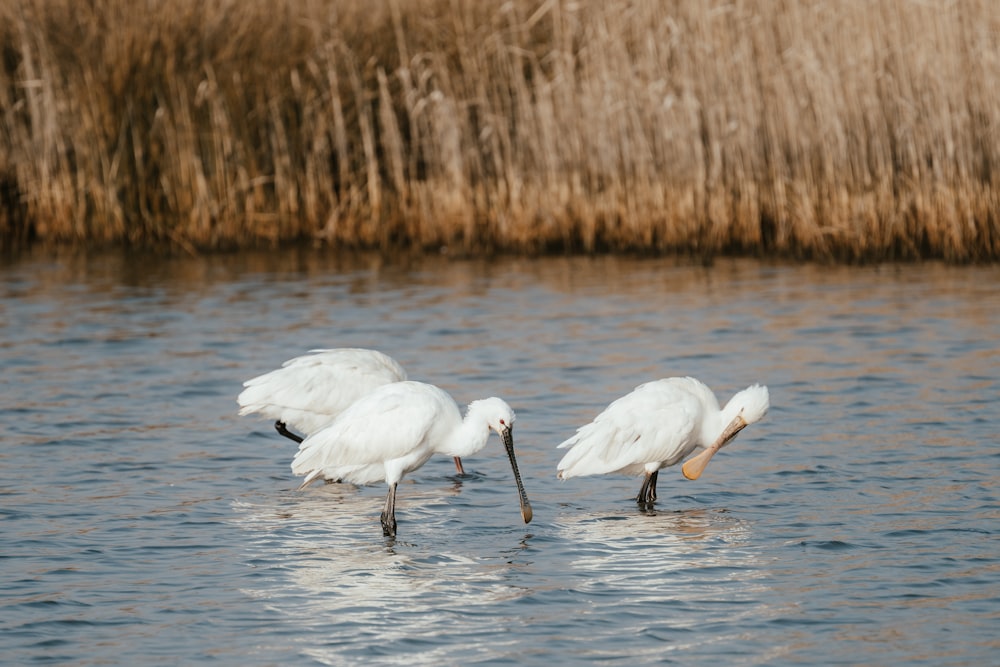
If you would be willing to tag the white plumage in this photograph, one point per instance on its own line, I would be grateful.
(395, 429)
(657, 425)
(307, 392)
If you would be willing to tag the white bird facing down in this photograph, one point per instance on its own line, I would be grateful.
(395, 429)
(657, 425)
(307, 392)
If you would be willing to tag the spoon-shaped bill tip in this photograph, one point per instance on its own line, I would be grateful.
(526, 512)
(694, 466)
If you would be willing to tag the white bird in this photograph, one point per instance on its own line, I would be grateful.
(657, 425)
(394, 430)
(307, 392)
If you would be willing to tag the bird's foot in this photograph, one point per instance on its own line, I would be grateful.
(388, 526)
(649, 509)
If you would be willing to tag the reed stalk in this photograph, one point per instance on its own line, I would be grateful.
(855, 130)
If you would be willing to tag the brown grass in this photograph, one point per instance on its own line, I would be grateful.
(854, 130)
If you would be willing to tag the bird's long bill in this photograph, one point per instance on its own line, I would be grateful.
(696, 465)
(508, 443)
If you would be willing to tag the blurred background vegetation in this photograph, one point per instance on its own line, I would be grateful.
(855, 130)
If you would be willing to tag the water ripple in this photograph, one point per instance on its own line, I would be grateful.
(145, 523)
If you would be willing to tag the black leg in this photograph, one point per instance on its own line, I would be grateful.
(643, 497)
(280, 427)
(647, 492)
(389, 513)
(458, 466)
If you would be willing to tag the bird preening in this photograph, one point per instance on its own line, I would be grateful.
(657, 425)
(364, 422)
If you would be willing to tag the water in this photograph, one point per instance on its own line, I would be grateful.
(143, 522)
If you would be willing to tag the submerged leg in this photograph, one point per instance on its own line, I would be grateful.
(458, 466)
(389, 513)
(280, 427)
(652, 485)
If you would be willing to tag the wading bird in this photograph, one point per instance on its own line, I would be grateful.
(394, 430)
(657, 425)
(307, 392)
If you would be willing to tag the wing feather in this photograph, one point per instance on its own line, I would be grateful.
(392, 422)
(307, 392)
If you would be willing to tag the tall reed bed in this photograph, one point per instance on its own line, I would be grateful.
(857, 129)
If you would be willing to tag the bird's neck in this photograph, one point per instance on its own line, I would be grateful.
(722, 420)
(468, 438)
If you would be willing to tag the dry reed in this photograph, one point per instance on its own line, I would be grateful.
(853, 130)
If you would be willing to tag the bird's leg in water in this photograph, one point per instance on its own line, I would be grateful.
(647, 492)
(280, 427)
(389, 513)
(458, 466)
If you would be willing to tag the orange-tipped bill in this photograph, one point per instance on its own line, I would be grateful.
(696, 465)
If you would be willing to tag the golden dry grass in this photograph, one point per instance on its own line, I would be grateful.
(853, 130)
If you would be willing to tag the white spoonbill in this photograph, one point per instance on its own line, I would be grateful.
(307, 392)
(394, 430)
(657, 425)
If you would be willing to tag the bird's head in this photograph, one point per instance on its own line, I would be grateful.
(745, 408)
(751, 404)
(498, 415)
(500, 418)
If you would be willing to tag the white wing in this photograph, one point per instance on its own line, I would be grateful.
(658, 422)
(395, 421)
(307, 392)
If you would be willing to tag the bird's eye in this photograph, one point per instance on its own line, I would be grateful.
(502, 422)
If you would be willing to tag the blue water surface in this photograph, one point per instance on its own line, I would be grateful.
(145, 523)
